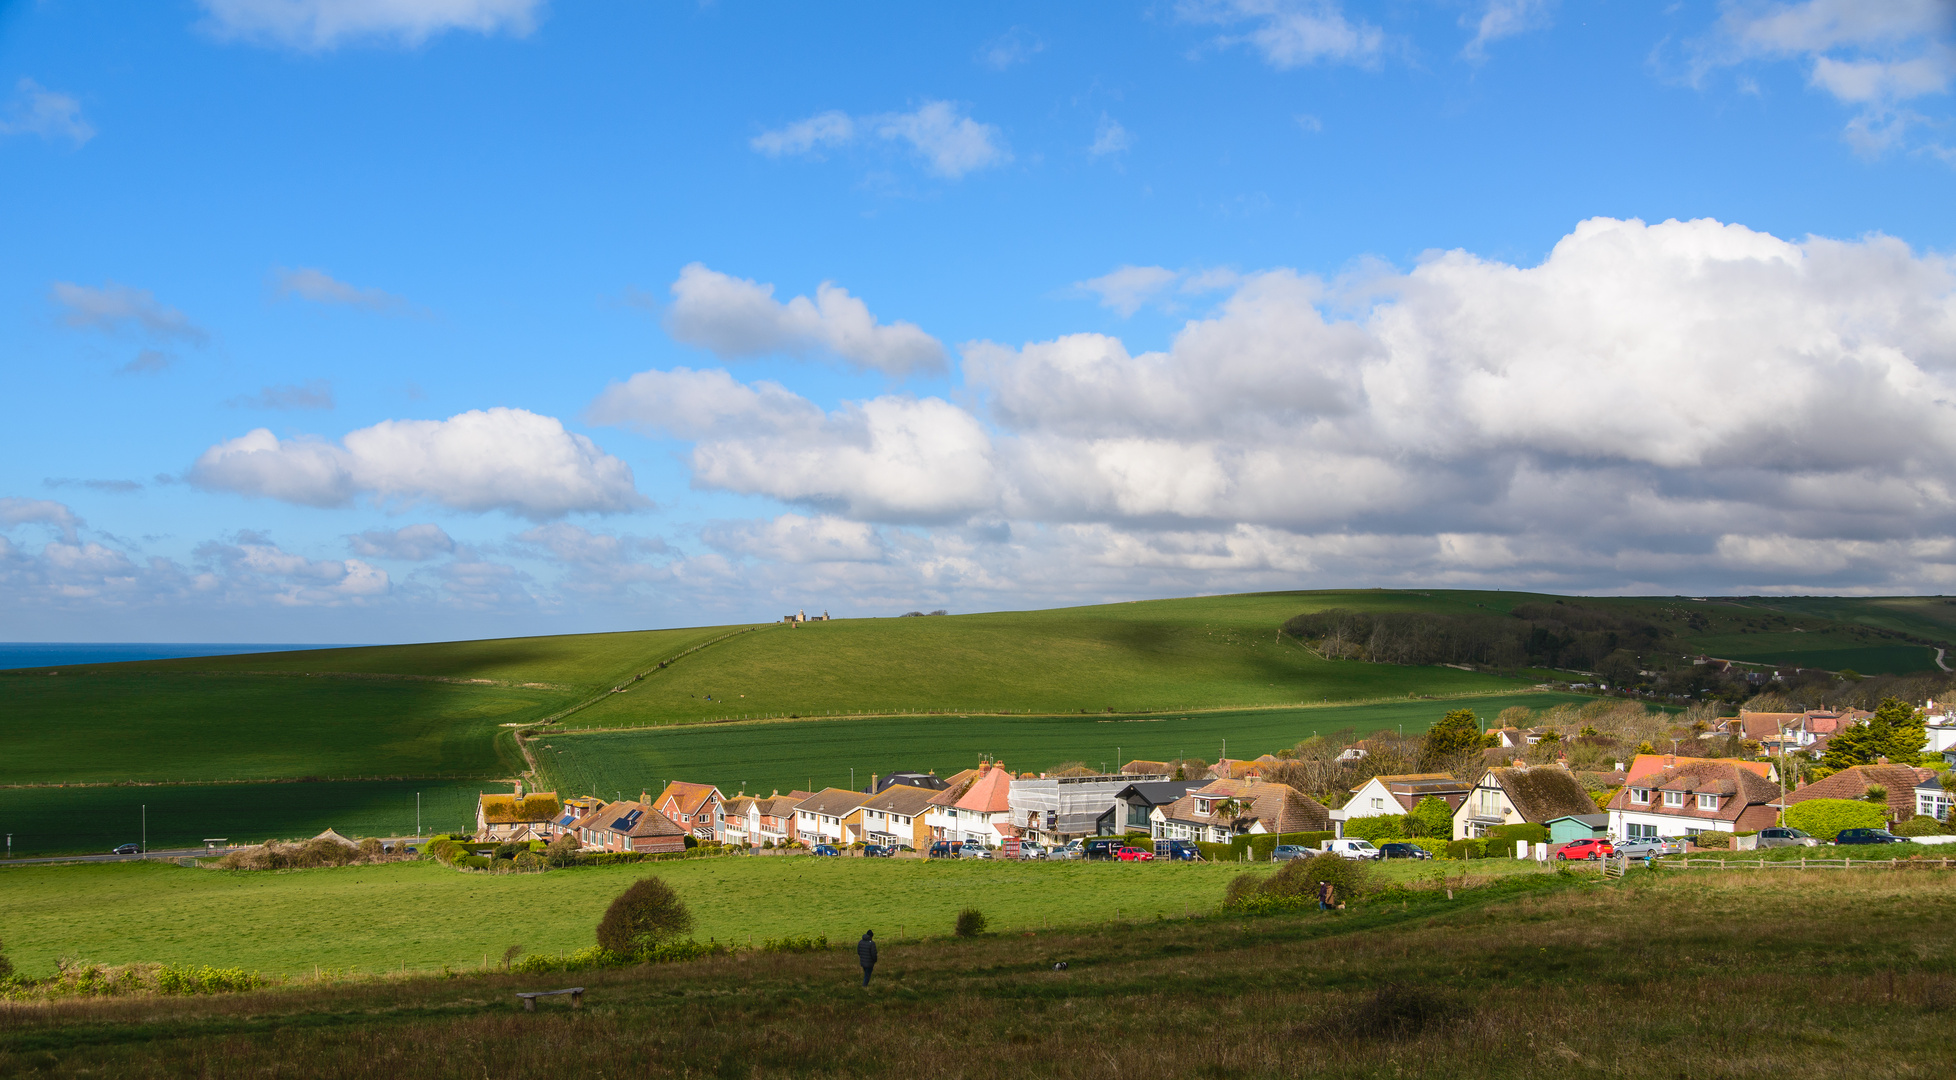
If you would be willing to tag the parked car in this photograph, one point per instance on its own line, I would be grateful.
(1405, 851)
(974, 850)
(1102, 847)
(824, 849)
(1072, 849)
(1351, 848)
(1640, 847)
(1868, 836)
(943, 849)
(1785, 836)
(128, 849)
(877, 851)
(1177, 850)
(1287, 852)
(1032, 850)
(1586, 849)
(1134, 854)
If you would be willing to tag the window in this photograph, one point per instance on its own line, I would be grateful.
(1202, 806)
(1639, 794)
(1643, 832)
(1707, 802)
(1378, 804)
(1674, 798)
(1490, 803)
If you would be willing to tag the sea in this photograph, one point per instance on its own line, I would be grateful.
(43, 654)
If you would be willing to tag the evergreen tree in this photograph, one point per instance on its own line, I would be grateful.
(1908, 733)
(1431, 818)
(1896, 732)
(1453, 736)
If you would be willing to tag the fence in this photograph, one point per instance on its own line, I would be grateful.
(1687, 863)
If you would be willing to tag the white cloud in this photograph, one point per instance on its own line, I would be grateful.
(794, 538)
(1109, 138)
(114, 308)
(1499, 19)
(1292, 33)
(322, 288)
(1010, 49)
(1127, 288)
(1876, 57)
(410, 543)
(1607, 417)
(736, 317)
(255, 563)
(315, 25)
(16, 511)
(494, 459)
(36, 110)
(951, 143)
(315, 394)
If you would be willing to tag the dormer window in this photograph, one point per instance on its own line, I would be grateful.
(1640, 795)
(1202, 806)
(1707, 802)
(1674, 798)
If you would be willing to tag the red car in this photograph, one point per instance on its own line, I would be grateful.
(1135, 854)
(1586, 849)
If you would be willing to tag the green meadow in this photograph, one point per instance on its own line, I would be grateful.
(785, 755)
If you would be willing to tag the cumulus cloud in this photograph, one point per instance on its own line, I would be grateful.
(410, 543)
(315, 394)
(36, 110)
(252, 561)
(1612, 415)
(316, 25)
(796, 538)
(320, 287)
(115, 308)
(1291, 33)
(1109, 138)
(1878, 58)
(950, 143)
(1497, 19)
(736, 318)
(495, 459)
(17, 511)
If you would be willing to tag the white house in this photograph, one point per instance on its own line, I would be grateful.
(981, 812)
(1700, 795)
(1510, 796)
(1932, 801)
(1398, 794)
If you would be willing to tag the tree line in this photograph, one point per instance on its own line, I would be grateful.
(1554, 635)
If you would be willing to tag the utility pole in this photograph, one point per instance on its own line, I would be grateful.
(417, 815)
(145, 828)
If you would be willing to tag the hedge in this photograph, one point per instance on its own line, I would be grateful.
(1219, 852)
(1921, 826)
(1262, 847)
(1500, 847)
(1823, 819)
(1468, 849)
(1376, 827)
(1534, 834)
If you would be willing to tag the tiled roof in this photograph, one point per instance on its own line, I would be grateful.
(1853, 783)
(990, 793)
(1644, 765)
(1269, 803)
(901, 799)
(833, 802)
(630, 818)
(1738, 788)
(689, 798)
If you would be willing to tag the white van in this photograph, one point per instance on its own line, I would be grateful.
(1351, 848)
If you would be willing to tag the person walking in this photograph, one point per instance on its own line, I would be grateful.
(866, 953)
(1325, 896)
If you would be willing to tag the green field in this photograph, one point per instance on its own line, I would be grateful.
(760, 757)
(62, 821)
(1819, 651)
(425, 916)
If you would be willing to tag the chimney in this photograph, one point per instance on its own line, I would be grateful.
(645, 796)
(872, 781)
(519, 789)
(1619, 766)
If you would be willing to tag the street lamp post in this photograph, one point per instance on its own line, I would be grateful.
(145, 828)
(417, 815)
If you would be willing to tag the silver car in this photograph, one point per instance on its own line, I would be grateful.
(1652, 846)
(1785, 836)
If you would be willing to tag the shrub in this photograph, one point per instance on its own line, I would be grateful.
(645, 914)
(1431, 817)
(794, 944)
(6, 965)
(530, 860)
(1823, 819)
(692, 841)
(1710, 840)
(1467, 849)
(1532, 833)
(1916, 826)
(971, 923)
(1499, 848)
(1377, 828)
(1219, 852)
(562, 851)
(1295, 886)
(473, 862)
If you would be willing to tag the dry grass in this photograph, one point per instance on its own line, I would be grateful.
(1721, 975)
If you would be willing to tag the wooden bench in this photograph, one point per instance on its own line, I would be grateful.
(530, 1000)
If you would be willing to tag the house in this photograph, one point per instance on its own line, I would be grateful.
(1399, 793)
(630, 826)
(1932, 799)
(894, 817)
(695, 808)
(1697, 795)
(819, 818)
(1223, 809)
(516, 816)
(1058, 808)
(754, 820)
(800, 617)
(1510, 796)
(1798, 729)
(1899, 781)
(1235, 769)
(976, 806)
(575, 809)
(735, 819)
(1569, 828)
(1644, 765)
(1134, 806)
(1509, 738)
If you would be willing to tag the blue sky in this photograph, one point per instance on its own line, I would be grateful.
(367, 320)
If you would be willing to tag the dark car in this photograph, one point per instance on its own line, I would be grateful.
(1103, 847)
(1868, 836)
(128, 849)
(1405, 851)
(943, 849)
(877, 851)
(1177, 850)
(824, 849)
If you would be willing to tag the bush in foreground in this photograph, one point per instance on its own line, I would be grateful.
(644, 915)
(971, 923)
(1922, 826)
(1295, 886)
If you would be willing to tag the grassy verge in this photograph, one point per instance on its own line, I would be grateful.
(1541, 976)
(789, 755)
(376, 918)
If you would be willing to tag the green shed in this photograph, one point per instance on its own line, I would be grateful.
(1572, 827)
